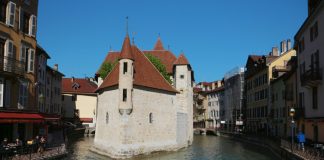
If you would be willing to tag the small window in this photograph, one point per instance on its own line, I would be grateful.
(151, 117)
(107, 117)
(315, 98)
(125, 67)
(124, 95)
(11, 8)
(32, 25)
(182, 76)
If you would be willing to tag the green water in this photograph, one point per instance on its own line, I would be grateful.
(203, 148)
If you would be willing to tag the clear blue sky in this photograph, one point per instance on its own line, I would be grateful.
(215, 35)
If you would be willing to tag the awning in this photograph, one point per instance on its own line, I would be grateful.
(86, 120)
(48, 117)
(14, 117)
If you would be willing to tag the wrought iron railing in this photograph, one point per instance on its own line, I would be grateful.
(311, 77)
(12, 65)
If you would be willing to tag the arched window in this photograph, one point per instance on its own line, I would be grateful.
(107, 117)
(151, 117)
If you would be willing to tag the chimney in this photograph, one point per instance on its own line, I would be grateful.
(213, 85)
(288, 44)
(283, 47)
(72, 79)
(275, 51)
(55, 67)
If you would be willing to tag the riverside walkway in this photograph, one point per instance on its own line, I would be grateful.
(27, 153)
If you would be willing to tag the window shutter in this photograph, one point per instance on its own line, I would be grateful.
(8, 55)
(10, 18)
(1, 92)
(31, 60)
(8, 93)
(32, 25)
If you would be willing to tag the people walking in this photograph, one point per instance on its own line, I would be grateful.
(301, 140)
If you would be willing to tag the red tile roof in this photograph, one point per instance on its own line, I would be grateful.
(158, 45)
(111, 57)
(126, 52)
(182, 60)
(85, 86)
(111, 79)
(145, 74)
(166, 57)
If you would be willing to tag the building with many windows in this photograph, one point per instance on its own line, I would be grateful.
(258, 73)
(234, 99)
(309, 42)
(18, 69)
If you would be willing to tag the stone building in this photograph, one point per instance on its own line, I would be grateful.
(215, 99)
(208, 101)
(139, 111)
(233, 98)
(309, 44)
(258, 73)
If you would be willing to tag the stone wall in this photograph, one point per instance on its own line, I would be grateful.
(128, 135)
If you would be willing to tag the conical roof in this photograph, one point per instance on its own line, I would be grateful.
(158, 45)
(126, 52)
(182, 60)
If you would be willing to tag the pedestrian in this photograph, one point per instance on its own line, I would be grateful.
(18, 142)
(301, 140)
(42, 144)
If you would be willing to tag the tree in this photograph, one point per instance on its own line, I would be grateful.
(159, 66)
(106, 68)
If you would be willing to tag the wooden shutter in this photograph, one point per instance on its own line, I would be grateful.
(31, 60)
(11, 8)
(32, 25)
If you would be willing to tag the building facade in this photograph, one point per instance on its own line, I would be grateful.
(18, 69)
(309, 44)
(79, 98)
(234, 100)
(258, 73)
(139, 111)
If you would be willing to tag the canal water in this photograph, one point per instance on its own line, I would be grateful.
(203, 148)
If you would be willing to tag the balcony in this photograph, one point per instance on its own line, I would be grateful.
(11, 65)
(311, 78)
(200, 107)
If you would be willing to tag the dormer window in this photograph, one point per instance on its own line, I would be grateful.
(125, 68)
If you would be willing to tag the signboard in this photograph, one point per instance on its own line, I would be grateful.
(239, 123)
(222, 122)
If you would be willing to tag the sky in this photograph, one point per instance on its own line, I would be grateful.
(215, 35)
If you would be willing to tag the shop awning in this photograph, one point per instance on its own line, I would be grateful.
(86, 120)
(14, 117)
(48, 117)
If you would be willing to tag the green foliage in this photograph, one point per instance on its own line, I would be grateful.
(159, 66)
(106, 68)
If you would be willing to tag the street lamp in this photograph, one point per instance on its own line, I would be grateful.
(291, 114)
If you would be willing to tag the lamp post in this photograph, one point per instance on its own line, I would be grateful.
(291, 114)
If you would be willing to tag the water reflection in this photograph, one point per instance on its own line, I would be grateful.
(203, 148)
